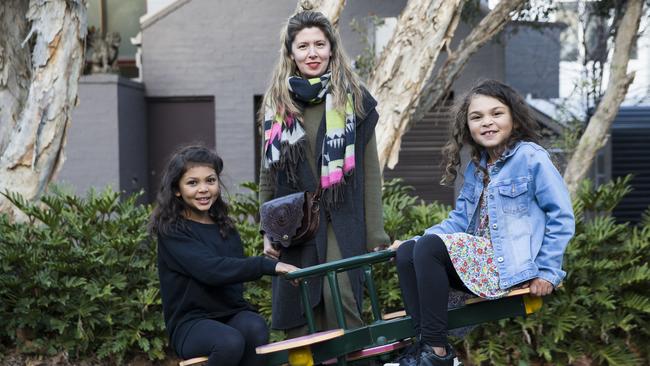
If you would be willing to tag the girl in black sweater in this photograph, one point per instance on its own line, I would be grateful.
(202, 267)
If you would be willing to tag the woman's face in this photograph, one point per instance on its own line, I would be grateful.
(311, 51)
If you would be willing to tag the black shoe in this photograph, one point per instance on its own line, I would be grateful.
(409, 356)
(429, 358)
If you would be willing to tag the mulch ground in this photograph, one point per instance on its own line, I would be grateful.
(18, 359)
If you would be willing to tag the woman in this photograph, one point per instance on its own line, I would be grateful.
(319, 126)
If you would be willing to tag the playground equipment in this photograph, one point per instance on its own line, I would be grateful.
(384, 334)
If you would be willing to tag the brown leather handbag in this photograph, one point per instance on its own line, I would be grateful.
(292, 219)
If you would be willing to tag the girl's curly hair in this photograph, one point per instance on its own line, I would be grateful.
(169, 207)
(524, 127)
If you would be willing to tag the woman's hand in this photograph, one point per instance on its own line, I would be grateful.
(395, 245)
(539, 287)
(269, 250)
(283, 268)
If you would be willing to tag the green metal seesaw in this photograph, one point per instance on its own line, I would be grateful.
(384, 334)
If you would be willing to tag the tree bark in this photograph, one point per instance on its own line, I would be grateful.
(14, 66)
(405, 66)
(596, 133)
(330, 8)
(37, 91)
(428, 88)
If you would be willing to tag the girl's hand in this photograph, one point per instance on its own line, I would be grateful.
(269, 250)
(395, 245)
(540, 287)
(379, 248)
(283, 268)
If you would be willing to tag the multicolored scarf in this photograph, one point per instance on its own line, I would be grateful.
(284, 137)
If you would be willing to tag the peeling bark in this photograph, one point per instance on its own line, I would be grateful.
(330, 8)
(15, 70)
(422, 30)
(40, 90)
(406, 94)
(596, 133)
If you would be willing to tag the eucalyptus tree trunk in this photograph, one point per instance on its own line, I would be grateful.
(596, 133)
(404, 81)
(41, 59)
(403, 71)
(330, 8)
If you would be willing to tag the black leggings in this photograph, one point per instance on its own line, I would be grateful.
(425, 275)
(227, 342)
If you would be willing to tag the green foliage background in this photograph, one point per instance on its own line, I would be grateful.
(80, 276)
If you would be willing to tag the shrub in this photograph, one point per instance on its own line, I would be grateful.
(79, 276)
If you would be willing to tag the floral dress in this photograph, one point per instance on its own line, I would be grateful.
(473, 256)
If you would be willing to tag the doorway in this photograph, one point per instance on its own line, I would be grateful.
(173, 122)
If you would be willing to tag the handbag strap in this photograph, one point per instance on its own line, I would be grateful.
(318, 193)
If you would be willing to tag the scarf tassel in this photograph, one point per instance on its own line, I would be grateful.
(291, 155)
(332, 197)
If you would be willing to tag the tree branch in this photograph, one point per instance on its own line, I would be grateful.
(423, 29)
(440, 83)
(595, 135)
(405, 94)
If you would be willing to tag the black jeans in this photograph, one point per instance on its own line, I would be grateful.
(229, 341)
(425, 275)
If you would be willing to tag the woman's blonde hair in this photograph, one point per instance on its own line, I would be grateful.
(343, 79)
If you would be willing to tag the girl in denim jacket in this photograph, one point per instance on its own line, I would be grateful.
(511, 225)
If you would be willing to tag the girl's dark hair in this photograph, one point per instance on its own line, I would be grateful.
(169, 207)
(524, 126)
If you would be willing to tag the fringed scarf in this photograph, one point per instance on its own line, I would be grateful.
(284, 137)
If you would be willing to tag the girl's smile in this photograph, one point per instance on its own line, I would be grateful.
(490, 124)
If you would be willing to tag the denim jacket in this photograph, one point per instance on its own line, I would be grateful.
(530, 212)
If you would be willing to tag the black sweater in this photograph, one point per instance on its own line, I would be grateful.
(201, 273)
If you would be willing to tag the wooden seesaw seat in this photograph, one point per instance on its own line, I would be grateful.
(532, 303)
(193, 361)
(299, 349)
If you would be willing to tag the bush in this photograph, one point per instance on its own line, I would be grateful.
(601, 314)
(79, 276)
